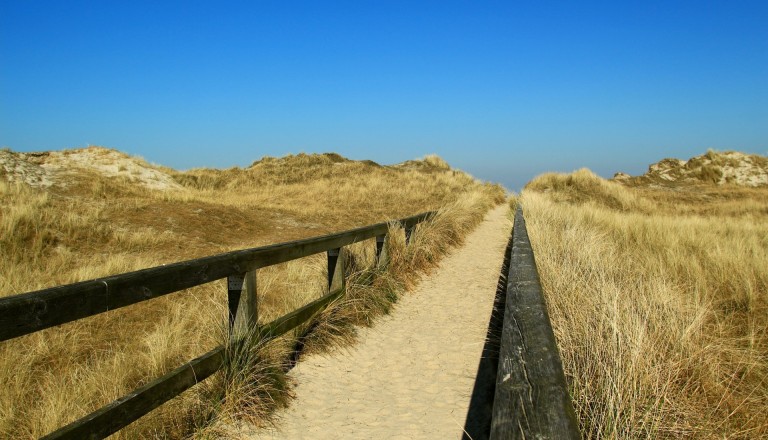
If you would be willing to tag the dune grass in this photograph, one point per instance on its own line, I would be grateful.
(95, 226)
(659, 301)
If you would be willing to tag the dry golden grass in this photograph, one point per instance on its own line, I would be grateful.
(96, 225)
(659, 301)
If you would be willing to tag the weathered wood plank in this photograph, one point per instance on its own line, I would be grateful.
(118, 414)
(532, 398)
(34, 311)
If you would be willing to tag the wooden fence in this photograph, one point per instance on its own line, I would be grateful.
(531, 400)
(34, 311)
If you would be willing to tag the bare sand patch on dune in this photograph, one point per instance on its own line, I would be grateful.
(44, 169)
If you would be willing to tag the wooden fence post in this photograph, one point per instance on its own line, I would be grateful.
(408, 233)
(381, 251)
(250, 303)
(234, 288)
(243, 306)
(336, 269)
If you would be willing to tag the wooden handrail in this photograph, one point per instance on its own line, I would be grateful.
(531, 398)
(34, 311)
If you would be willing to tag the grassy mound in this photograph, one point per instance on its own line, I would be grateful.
(585, 187)
(89, 221)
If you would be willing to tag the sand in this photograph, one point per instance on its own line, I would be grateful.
(48, 168)
(411, 375)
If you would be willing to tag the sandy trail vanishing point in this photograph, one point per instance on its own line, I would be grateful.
(411, 375)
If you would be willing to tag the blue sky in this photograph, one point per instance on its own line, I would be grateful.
(504, 90)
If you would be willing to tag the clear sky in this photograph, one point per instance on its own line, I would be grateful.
(505, 90)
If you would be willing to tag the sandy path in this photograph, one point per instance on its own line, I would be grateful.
(411, 375)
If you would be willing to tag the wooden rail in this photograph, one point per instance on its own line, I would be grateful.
(531, 398)
(34, 311)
